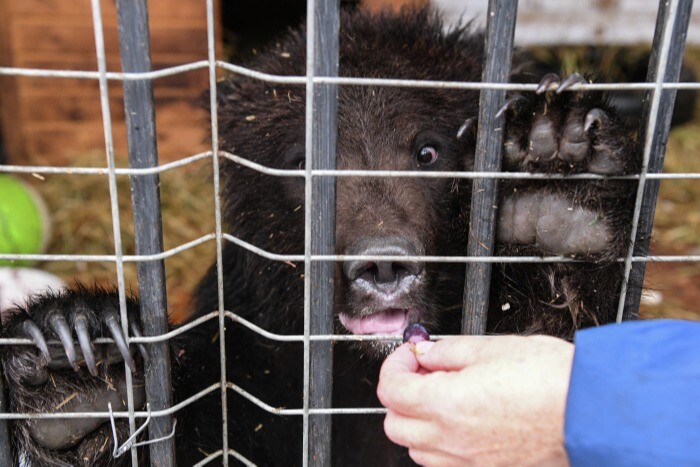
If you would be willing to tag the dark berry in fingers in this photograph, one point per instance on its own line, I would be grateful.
(415, 333)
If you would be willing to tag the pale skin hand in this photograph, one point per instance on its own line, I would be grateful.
(478, 400)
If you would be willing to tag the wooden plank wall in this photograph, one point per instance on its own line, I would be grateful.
(575, 22)
(50, 121)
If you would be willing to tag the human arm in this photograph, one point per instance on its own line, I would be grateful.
(632, 398)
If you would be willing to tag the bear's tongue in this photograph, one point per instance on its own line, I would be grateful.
(391, 321)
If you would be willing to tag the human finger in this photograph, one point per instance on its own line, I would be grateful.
(413, 433)
(400, 361)
(402, 387)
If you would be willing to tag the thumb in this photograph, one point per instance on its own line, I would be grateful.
(452, 354)
(401, 364)
(400, 383)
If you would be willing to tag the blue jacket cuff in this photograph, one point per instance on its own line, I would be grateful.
(634, 395)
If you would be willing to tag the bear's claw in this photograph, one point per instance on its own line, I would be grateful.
(573, 78)
(511, 104)
(112, 322)
(34, 333)
(595, 117)
(553, 82)
(81, 330)
(549, 82)
(59, 326)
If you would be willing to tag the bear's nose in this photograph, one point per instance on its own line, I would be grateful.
(385, 275)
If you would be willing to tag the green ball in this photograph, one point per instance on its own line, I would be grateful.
(24, 220)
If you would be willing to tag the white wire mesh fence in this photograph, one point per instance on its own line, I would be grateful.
(669, 47)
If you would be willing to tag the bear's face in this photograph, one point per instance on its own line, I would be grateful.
(378, 129)
(398, 130)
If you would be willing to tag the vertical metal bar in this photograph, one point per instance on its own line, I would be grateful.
(114, 204)
(213, 117)
(664, 66)
(497, 59)
(135, 53)
(321, 111)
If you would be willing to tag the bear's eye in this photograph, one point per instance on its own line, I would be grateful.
(427, 155)
(301, 164)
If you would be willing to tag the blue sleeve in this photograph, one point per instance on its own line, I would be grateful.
(634, 395)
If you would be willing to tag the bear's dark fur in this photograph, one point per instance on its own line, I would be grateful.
(378, 128)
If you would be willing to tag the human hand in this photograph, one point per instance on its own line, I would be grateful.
(478, 400)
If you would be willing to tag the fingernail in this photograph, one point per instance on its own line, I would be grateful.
(424, 347)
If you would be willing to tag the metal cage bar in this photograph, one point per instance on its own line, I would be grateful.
(114, 205)
(214, 121)
(135, 55)
(664, 67)
(319, 226)
(498, 49)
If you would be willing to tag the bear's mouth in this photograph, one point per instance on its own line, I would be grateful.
(388, 321)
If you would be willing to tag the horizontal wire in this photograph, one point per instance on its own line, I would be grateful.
(234, 318)
(175, 332)
(261, 252)
(259, 75)
(445, 174)
(103, 171)
(348, 81)
(497, 175)
(136, 340)
(184, 403)
(139, 414)
(298, 258)
(339, 173)
(502, 259)
(317, 337)
(282, 411)
(108, 258)
(323, 337)
(94, 75)
(478, 85)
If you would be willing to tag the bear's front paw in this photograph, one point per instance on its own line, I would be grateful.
(61, 375)
(561, 131)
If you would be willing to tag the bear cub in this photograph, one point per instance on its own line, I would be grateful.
(379, 128)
